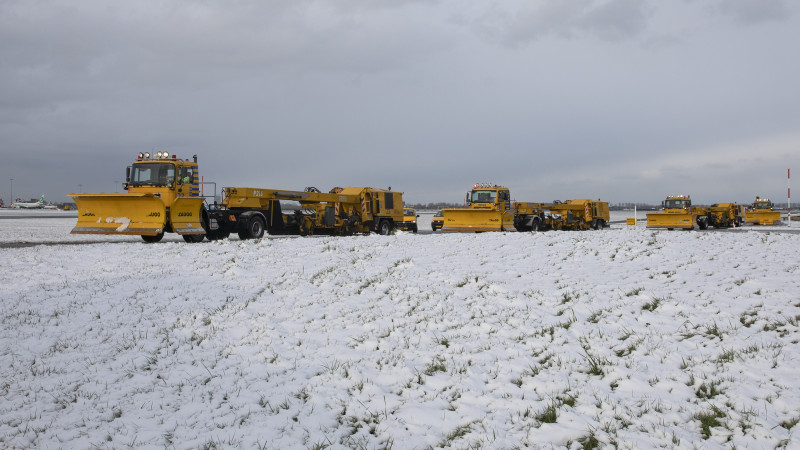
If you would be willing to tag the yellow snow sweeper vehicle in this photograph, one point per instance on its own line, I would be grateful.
(725, 215)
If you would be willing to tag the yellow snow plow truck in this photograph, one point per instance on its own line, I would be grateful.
(762, 213)
(678, 212)
(163, 197)
(488, 209)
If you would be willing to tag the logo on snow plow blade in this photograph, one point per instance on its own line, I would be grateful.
(185, 214)
(154, 214)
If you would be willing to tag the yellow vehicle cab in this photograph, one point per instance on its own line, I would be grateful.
(409, 221)
(437, 222)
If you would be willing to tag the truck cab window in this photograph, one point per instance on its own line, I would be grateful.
(152, 174)
(484, 196)
(187, 175)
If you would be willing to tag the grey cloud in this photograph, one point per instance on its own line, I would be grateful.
(547, 98)
(616, 20)
(610, 20)
(752, 12)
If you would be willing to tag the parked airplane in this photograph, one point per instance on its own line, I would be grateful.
(37, 205)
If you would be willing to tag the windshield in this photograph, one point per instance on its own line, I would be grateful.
(409, 212)
(677, 204)
(762, 205)
(483, 196)
(438, 214)
(153, 174)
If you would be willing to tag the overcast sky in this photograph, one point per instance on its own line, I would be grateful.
(624, 100)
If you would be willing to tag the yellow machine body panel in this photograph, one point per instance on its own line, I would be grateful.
(489, 209)
(761, 212)
(529, 207)
(763, 217)
(671, 219)
(184, 215)
(475, 220)
(139, 214)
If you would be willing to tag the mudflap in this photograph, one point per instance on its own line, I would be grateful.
(185, 215)
(670, 220)
(475, 220)
(134, 214)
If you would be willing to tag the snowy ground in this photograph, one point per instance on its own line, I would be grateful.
(625, 337)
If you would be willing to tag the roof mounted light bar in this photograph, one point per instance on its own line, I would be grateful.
(158, 155)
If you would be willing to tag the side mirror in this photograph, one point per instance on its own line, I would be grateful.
(128, 174)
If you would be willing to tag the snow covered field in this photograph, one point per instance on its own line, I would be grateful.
(625, 337)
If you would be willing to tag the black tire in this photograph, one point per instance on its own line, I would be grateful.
(151, 239)
(193, 238)
(414, 229)
(253, 229)
(599, 224)
(535, 226)
(217, 235)
(307, 227)
(384, 227)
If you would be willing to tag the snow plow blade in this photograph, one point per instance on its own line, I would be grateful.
(763, 218)
(670, 220)
(139, 214)
(472, 220)
(134, 214)
(185, 215)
